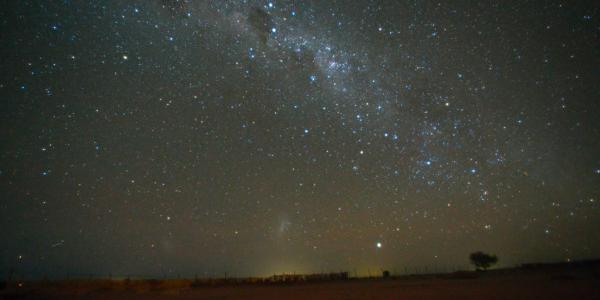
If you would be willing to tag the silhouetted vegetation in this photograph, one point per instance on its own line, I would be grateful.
(482, 261)
(289, 278)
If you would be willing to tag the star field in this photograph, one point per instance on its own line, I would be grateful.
(177, 137)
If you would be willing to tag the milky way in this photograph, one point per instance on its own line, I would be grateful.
(165, 138)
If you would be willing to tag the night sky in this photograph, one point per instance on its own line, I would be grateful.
(201, 137)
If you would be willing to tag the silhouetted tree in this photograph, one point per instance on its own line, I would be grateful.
(482, 261)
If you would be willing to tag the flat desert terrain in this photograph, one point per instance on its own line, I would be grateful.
(540, 284)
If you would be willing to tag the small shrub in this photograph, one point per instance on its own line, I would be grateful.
(482, 261)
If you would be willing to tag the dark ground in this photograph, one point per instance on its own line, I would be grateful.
(558, 281)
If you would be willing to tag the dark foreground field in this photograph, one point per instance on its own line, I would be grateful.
(514, 284)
